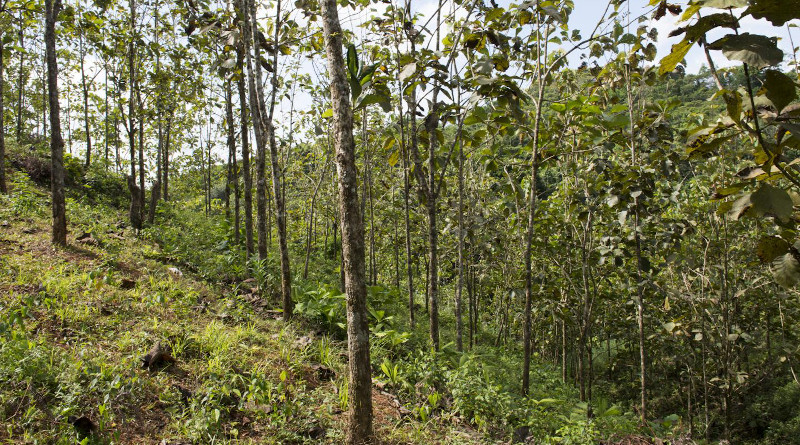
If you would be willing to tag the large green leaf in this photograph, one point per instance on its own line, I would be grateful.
(352, 61)
(776, 11)
(771, 247)
(755, 50)
(786, 270)
(773, 201)
(781, 89)
(706, 24)
(375, 98)
(675, 57)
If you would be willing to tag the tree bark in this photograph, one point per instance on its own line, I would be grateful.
(359, 429)
(20, 77)
(52, 8)
(136, 204)
(246, 176)
(3, 188)
(257, 113)
(165, 155)
(277, 174)
(85, 91)
(233, 173)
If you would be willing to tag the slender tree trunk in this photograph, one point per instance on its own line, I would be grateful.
(165, 154)
(20, 78)
(136, 207)
(52, 8)
(105, 94)
(248, 181)
(530, 232)
(359, 429)
(639, 259)
(460, 283)
(3, 188)
(85, 91)
(142, 188)
(406, 195)
(277, 180)
(233, 168)
(256, 99)
(311, 218)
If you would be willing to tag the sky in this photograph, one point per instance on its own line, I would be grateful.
(587, 12)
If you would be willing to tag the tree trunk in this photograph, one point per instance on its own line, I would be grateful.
(165, 154)
(253, 70)
(460, 283)
(105, 109)
(142, 187)
(135, 207)
(406, 206)
(52, 8)
(359, 429)
(85, 91)
(3, 188)
(277, 174)
(233, 174)
(257, 112)
(311, 218)
(20, 78)
(248, 181)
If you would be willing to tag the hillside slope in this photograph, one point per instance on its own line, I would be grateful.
(75, 324)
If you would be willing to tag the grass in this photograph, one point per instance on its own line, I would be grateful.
(72, 337)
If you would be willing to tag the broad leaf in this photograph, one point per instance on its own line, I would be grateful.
(786, 270)
(776, 11)
(755, 50)
(675, 57)
(773, 201)
(371, 99)
(352, 61)
(781, 89)
(771, 247)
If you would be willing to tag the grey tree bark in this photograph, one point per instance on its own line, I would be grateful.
(248, 181)
(359, 429)
(277, 174)
(52, 8)
(3, 188)
(255, 94)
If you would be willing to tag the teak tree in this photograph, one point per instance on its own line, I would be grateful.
(359, 429)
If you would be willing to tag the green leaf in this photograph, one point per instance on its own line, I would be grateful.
(733, 100)
(328, 113)
(355, 88)
(773, 201)
(786, 270)
(394, 158)
(375, 98)
(771, 247)
(707, 23)
(352, 61)
(739, 207)
(755, 50)
(675, 57)
(776, 11)
(781, 89)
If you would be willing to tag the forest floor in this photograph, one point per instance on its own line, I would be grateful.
(76, 322)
